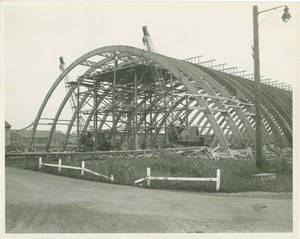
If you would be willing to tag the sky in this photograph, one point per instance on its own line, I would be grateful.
(35, 35)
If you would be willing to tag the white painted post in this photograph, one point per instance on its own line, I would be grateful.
(148, 177)
(59, 165)
(40, 162)
(82, 167)
(218, 182)
(112, 177)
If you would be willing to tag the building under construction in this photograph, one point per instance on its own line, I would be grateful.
(129, 98)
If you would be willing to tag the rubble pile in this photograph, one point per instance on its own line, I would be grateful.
(274, 152)
(283, 157)
(271, 153)
(204, 152)
(217, 154)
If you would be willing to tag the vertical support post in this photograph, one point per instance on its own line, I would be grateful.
(113, 137)
(145, 129)
(78, 115)
(95, 116)
(260, 160)
(40, 162)
(148, 177)
(171, 87)
(186, 111)
(59, 165)
(150, 113)
(135, 88)
(218, 182)
(165, 110)
(129, 121)
(82, 167)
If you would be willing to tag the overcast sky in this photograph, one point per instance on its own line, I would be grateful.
(36, 35)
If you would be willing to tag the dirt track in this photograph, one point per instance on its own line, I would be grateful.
(38, 202)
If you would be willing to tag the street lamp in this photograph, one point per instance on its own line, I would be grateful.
(260, 160)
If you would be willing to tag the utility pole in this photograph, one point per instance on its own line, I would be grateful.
(260, 160)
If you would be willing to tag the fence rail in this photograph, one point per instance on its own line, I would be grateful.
(82, 168)
(148, 179)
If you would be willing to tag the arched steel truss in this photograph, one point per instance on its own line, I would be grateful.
(140, 93)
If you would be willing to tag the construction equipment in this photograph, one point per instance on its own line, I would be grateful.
(147, 40)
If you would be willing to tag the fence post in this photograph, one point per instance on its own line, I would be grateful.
(59, 165)
(148, 177)
(40, 162)
(82, 167)
(218, 182)
(112, 177)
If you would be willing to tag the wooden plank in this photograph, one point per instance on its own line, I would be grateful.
(184, 179)
(59, 165)
(140, 180)
(40, 162)
(62, 166)
(97, 174)
(218, 181)
(148, 177)
(82, 167)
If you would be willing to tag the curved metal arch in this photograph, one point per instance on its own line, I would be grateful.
(158, 59)
(249, 129)
(190, 87)
(279, 104)
(282, 114)
(51, 90)
(227, 94)
(245, 91)
(180, 112)
(62, 105)
(74, 64)
(90, 70)
(273, 111)
(185, 72)
(197, 76)
(168, 66)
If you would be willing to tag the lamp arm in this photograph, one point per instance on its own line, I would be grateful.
(267, 10)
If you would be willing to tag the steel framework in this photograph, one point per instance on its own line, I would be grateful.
(135, 95)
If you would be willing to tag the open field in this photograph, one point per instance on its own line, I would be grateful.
(38, 202)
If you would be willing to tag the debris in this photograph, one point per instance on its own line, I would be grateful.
(257, 207)
(264, 177)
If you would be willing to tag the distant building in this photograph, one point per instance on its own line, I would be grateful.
(20, 140)
(7, 133)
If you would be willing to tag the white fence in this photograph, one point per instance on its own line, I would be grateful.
(148, 179)
(82, 168)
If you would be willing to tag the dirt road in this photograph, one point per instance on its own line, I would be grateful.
(39, 202)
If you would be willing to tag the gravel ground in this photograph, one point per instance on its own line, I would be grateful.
(38, 202)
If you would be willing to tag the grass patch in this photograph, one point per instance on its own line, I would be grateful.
(235, 174)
